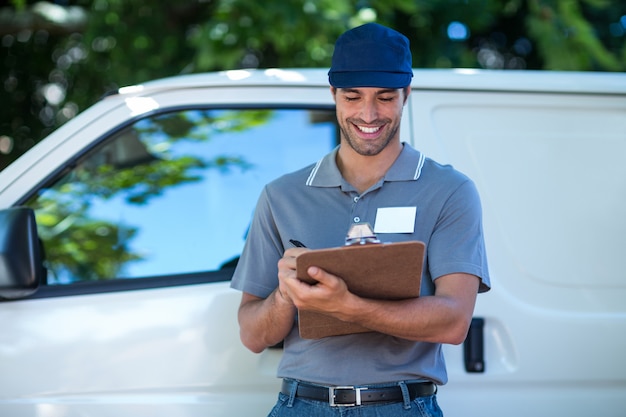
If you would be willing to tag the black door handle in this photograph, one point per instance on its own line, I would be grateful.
(474, 347)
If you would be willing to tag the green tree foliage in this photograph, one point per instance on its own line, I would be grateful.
(568, 41)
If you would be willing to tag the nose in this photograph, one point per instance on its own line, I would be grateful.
(369, 110)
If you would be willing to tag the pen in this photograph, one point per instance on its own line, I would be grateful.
(297, 243)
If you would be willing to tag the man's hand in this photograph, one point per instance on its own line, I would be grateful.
(324, 296)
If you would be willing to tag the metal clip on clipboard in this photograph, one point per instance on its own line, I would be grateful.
(361, 234)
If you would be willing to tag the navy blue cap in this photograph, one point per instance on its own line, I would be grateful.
(371, 55)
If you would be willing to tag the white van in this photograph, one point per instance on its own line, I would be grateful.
(119, 233)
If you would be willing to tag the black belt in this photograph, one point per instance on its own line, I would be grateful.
(350, 396)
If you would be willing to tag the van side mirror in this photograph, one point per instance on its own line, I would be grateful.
(21, 258)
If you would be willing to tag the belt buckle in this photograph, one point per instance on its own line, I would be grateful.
(331, 395)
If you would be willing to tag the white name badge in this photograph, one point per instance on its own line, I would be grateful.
(395, 220)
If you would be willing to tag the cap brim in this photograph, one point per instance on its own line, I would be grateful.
(351, 79)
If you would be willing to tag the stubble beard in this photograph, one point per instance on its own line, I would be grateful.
(367, 148)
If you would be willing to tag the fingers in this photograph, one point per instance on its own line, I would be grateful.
(294, 252)
(326, 279)
(287, 278)
(321, 296)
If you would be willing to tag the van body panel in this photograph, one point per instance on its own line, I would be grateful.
(549, 170)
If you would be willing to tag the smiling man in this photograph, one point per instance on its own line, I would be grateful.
(394, 369)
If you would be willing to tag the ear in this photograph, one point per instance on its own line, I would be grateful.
(333, 91)
(407, 91)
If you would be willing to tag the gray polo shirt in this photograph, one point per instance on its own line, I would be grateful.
(316, 206)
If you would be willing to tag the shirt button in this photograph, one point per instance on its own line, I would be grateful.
(357, 219)
(356, 199)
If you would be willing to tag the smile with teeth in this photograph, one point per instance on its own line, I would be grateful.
(366, 129)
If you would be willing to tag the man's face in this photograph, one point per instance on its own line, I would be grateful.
(369, 118)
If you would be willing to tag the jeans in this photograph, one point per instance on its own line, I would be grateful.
(291, 406)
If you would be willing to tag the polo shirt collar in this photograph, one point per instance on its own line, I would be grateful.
(407, 167)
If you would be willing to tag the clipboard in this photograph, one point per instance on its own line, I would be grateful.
(391, 271)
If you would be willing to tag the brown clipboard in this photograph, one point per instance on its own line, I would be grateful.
(391, 271)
